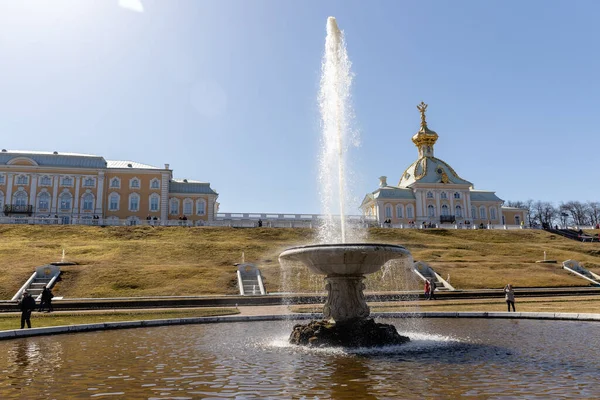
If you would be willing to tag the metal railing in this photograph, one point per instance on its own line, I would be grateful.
(17, 209)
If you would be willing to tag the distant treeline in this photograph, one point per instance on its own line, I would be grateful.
(565, 214)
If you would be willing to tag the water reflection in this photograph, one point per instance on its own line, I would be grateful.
(446, 358)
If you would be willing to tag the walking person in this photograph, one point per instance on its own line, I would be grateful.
(46, 300)
(427, 288)
(431, 290)
(510, 297)
(27, 305)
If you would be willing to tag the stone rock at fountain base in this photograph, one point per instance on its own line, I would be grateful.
(355, 333)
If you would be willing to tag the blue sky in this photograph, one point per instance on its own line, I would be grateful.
(226, 91)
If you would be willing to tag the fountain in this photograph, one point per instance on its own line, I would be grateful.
(346, 312)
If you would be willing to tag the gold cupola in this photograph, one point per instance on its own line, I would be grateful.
(425, 138)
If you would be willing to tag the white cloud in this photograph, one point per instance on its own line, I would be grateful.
(133, 5)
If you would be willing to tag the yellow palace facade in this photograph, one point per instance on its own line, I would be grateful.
(431, 192)
(80, 188)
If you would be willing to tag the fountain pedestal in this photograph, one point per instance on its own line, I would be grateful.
(346, 311)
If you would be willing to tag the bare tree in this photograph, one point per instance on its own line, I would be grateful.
(577, 211)
(544, 212)
(593, 208)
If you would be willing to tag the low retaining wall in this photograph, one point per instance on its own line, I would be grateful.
(55, 330)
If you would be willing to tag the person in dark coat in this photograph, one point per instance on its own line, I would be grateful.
(27, 305)
(46, 300)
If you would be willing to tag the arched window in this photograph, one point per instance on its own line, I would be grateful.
(445, 210)
(201, 207)
(134, 202)
(45, 181)
(188, 206)
(20, 198)
(1, 199)
(409, 212)
(444, 195)
(399, 213)
(458, 211)
(87, 202)
(456, 195)
(473, 213)
(66, 199)
(154, 202)
(22, 180)
(174, 206)
(155, 184)
(115, 183)
(43, 201)
(482, 213)
(492, 213)
(388, 211)
(431, 210)
(113, 201)
(430, 195)
(134, 183)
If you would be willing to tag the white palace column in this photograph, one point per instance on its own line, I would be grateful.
(468, 211)
(419, 205)
(100, 195)
(33, 194)
(438, 204)
(76, 199)
(9, 187)
(55, 194)
(164, 195)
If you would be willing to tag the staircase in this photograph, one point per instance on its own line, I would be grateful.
(250, 281)
(43, 276)
(577, 269)
(573, 235)
(425, 272)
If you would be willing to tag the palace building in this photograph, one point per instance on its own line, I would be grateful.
(430, 191)
(80, 188)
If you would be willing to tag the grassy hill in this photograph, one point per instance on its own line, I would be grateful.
(147, 261)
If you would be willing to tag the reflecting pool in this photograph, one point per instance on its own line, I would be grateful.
(446, 358)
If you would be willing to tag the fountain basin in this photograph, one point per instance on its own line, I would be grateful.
(353, 259)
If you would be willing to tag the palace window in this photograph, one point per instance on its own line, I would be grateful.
(134, 202)
(174, 207)
(134, 183)
(444, 195)
(188, 206)
(445, 210)
(66, 181)
(473, 212)
(2, 180)
(88, 182)
(66, 201)
(113, 201)
(458, 211)
(456, 195)
(155, 184)
(482, 213)
(430, 195)
(88, 202)
(43, 201)
(492, 213)
(431, 210)
(409, 212)
(20, 198)
(45, 181)
(201, 207)
(388, 211)
(154, 202)
(115, 183)
(399, 212)
(22, 180)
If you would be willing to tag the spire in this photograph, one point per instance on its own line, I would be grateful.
(425, 138)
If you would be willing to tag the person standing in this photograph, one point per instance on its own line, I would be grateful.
(427, 288)
(46, 300)
(432, 287)
(27, 304)
(510, 297)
